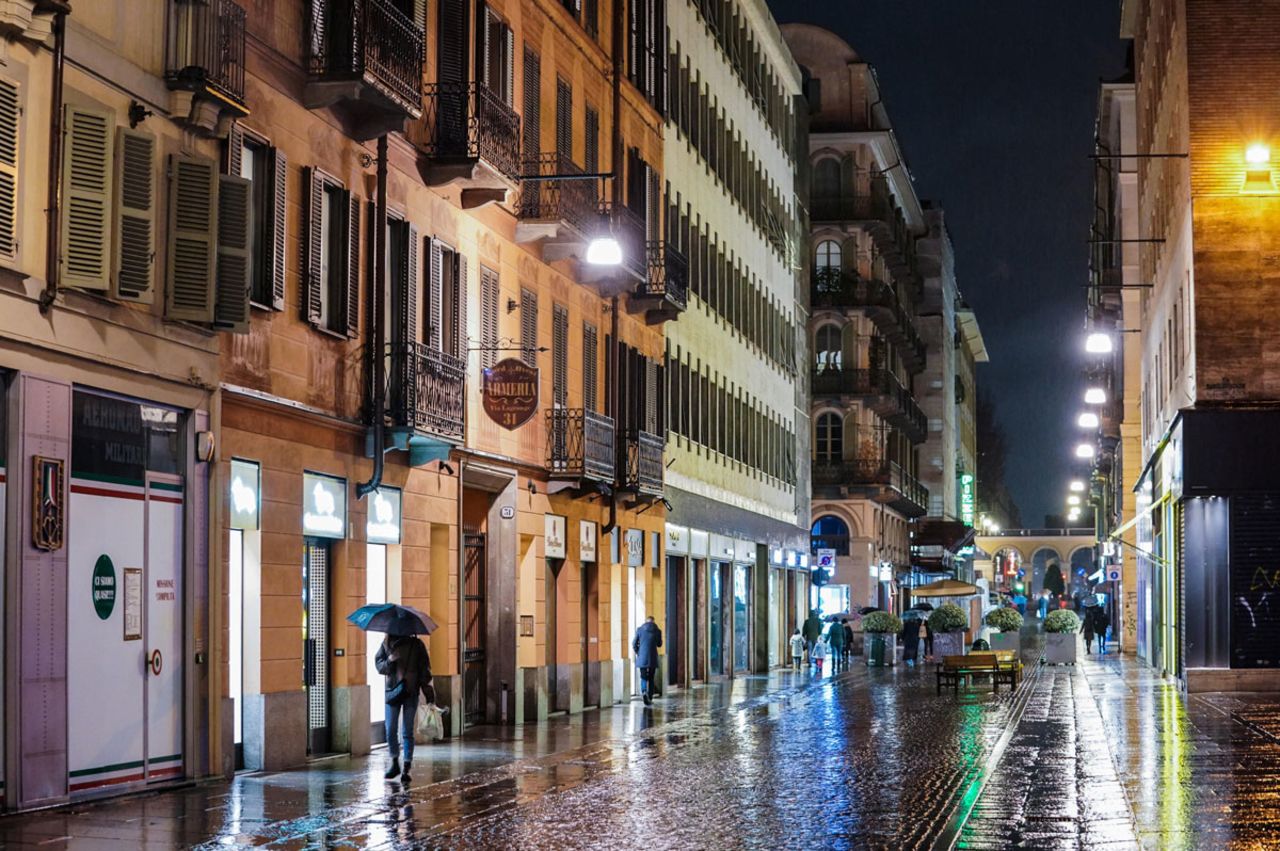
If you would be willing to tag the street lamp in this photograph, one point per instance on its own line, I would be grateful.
(1087, 420)
(1098, 343)
(1095, 396)
(1085, 450)
(1077, 486)
(1257, 154)
(1073, 500)
(604, 250)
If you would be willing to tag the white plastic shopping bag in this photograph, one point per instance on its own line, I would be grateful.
(428, 725)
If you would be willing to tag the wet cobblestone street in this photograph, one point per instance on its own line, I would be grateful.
(1098, 756)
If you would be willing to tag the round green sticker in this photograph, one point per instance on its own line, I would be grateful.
(104, 587)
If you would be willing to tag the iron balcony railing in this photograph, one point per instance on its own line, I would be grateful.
(903, 490)
(833, 288)
(575, 201)
(470, 121)
(877, 207)
(580, 444)
(887, 395)
(206, 47)
(427, 390)
(368, 40)
(914, 496)
(628, 228)
(644, 463)
(668, 276)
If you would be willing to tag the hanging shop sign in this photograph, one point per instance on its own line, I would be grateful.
(244, 495)
(49, 501)
(383, 525)
(553, 543)
(967, 499)
(510, 392)
(324, 506)
(587, 540)
(635, 547)
(104, 587)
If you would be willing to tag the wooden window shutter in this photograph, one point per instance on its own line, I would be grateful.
(651, 395)
(86, 199)
(234, 154)
(529, 327)
(532, 117)
(451, 58)
(231, 295)
(279, 180)
(560, 355)
(311, 246)
(435, 298)
(590, 366)
(409, 286)
(10, 112)
(564, 121)
(489, 292)
(353, 267)
(591, 156)
(135, 215)
(193, 207)
(460, 308)
(509, 65)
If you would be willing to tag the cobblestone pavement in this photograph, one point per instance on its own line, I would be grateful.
(1102, 755)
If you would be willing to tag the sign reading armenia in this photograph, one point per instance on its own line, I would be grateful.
(510, 391)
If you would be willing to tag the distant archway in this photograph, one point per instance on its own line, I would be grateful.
(1040, 561)
(1082, 567)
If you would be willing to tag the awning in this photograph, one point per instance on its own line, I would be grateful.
(945, 588)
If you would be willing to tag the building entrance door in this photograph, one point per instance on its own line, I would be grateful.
(163, 627)
(473, 654)
(315, 643)
(375, 578)
(676, 613)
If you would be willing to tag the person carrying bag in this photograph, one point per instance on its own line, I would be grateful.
(404, 661)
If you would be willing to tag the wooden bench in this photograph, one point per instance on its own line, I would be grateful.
(1001, 665)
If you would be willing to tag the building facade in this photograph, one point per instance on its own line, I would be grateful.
(737, 430)
(867, 351)
(1209, 218)
(316, 328)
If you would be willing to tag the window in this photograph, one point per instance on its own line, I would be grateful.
(830, 532)
(489, 294)
(564, 121)
(826, 178)
(445, 319)
(827, 351)
(250, 156)
(496, 52)
(529, 327)
(827, 255)
(591, 157)
(829, 438)
(332, 277)
(531, 120)
(559, 355)
(590, 369)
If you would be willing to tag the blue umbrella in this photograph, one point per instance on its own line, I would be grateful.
(392, 619)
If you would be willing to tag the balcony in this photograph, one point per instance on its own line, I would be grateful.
(469, 136)
(644, 464)
(205, 62)
(838, 289)
(880, 215)
(664, 295)
(880, 390)
(580, 446)
(364, 56)
(426, 401)
(883, 481)
(563, 213)
(629, 228)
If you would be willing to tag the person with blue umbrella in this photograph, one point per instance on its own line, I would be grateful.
(404, 661)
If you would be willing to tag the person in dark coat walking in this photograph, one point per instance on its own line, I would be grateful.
(835, 640)
(910, 640)
(928, 639)
(404, 661)
(1087, 628)
(848, 640)
(646, 643)
(811, 630)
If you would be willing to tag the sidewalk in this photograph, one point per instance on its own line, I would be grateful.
(345, 800)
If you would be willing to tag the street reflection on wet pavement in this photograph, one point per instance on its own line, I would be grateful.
(1100, 755)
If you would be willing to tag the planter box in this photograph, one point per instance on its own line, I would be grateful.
(1005, 641)
(948, 644)
(1060, 648)
(880, 649)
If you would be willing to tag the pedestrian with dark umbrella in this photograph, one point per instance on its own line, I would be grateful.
(646, 643)
(404, 661)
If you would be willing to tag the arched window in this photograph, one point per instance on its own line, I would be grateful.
(831, 533)
(826, 178)
(827, 352)
(827, 255)
(829, 437)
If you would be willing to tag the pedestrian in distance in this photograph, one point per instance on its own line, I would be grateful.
(1087, 628)
(1101, 623)
(848, 640)
(819, 653)
(928, 639)
(797, 650)
(646, 643)
(812, 629)
(404, 662)
(835, 641)
(1043, 604)
(910, 640)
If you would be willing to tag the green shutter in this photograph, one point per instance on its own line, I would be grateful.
(232, 283)
(135, 215)
(193, 197)
(86, 199)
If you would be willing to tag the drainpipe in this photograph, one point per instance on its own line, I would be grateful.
(55, 163)
(614, 401)
(377, 344)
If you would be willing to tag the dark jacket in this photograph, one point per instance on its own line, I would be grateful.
(848, 635)
(812, 628)
(835, 637)
(646, 643)
(405, 657)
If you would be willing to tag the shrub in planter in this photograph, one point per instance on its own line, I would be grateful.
(880, 637)
(882, 622)
(1062, 620)
(1004, 619)
(948, 618)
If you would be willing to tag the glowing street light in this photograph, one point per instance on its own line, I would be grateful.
(1257, 154)
(1077, 486)
(1087, 420)
(1073, 500)
(1095, 396)
(1098, 343)
(1085, 450)
(604, 251)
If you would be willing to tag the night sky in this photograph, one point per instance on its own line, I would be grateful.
(993, 102)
